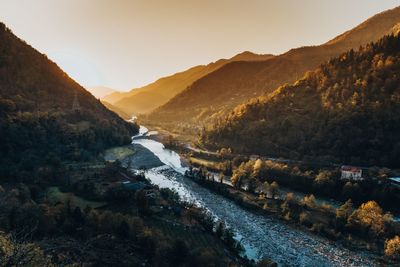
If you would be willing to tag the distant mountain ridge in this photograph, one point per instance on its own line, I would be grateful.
(218, 92)
(149, 97)
(113, 108)
(101, 91)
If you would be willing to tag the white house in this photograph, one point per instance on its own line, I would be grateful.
(351, 173)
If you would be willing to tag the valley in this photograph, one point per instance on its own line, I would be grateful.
(148, 134)
(283, 243)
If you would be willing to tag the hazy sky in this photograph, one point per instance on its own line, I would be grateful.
(124, 44)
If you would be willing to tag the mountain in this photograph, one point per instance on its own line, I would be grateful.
(235, 82)
(100, 91)
(113, 108)
(346, 111)
(149, 97)
(45, 116)
(115, 96)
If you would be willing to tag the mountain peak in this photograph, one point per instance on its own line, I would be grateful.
(250, 56)
(370, 30)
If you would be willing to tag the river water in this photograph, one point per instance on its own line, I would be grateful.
(261, 236)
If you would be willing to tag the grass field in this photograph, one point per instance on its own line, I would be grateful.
(118, 153)
(55, 195)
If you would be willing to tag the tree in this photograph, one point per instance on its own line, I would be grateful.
(239, 175)
(343, 213)
(309, 201)
(178, 253)
(392, 247)
(265, 187)
(148, 242)
(225, 152)
(251, 184)
(351, 191)
(323, 181)
(228, 237)
(219, 231)
(259, 169)
(273, 189)
(304, 218)
(221, 177)
(123, 229)
(17, 251)
(142, 203)
(370, 217)
(345, 210)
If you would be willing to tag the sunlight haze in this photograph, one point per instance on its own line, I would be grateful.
(127, 44)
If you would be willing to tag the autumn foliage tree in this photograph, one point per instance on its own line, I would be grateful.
(371, 218)
(392, 247)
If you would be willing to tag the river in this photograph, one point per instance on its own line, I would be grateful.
(261, 236)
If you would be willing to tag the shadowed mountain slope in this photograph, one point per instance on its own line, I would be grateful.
(45, 116)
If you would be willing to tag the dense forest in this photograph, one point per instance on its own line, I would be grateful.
(346, 111)
(38, 126)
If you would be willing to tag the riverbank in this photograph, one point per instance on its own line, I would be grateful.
(310, 217)
(261, 236)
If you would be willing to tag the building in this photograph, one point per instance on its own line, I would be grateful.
(351, 173)
(395, 181)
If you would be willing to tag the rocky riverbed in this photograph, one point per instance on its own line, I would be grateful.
(262, 236)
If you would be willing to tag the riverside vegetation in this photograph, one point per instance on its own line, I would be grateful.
(366, 227)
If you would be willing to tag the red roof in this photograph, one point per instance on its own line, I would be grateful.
(351, 169)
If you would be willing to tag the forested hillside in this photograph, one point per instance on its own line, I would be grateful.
(348, 111)
(38, 126)
(234, 83)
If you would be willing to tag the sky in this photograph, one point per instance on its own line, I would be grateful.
(125, 44)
